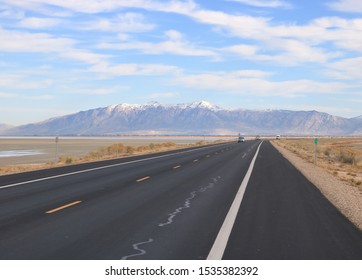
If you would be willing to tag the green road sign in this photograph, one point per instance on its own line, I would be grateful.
(316, 141)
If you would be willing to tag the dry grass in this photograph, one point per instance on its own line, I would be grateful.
(110, 152)
(341, 157)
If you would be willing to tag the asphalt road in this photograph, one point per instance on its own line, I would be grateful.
(174, 205)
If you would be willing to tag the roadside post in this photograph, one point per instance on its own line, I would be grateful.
(56, 148)
(315, 150)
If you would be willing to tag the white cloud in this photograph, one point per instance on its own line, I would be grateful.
(288, 44)
(174, 44)
(283, 52)
(83, 56)
(349, 69)
(254, 85)
(134, 69)
(38, 23)
(243, 50)
(11, 13)
(26, 42)
(18, 41)
(239, 25)
(264, 3)
(344, 34)
(351, 6)
(96, 6)
(128, 22)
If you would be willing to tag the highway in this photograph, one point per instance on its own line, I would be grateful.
(225, 201)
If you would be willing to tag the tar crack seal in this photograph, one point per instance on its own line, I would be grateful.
(141, 251)
(187, 204)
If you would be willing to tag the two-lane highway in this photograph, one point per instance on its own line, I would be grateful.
(103, 211)
(173, 205)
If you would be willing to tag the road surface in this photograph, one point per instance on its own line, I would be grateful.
(226, 201)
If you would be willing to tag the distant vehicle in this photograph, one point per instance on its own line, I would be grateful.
(277, 137)
(257, 137)
(241, 139)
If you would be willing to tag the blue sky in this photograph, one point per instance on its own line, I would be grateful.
(60, 57)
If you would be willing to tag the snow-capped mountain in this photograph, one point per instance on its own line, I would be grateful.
(4, 127)
(197, 118)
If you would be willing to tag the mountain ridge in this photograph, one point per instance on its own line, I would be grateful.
(196, 118)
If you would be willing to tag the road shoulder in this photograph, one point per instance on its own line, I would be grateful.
(345, 197)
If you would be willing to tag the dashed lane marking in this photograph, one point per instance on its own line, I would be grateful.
(178, 166)
(63, 207)
(143, 179)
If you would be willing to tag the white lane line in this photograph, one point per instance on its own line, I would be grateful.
(217, 250)
(99, 168)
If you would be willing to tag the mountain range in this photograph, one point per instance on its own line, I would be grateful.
(197, 118)
(4, 127)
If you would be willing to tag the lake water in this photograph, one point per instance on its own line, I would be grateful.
(19, 153)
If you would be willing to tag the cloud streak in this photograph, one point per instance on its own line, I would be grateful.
(264, 3)
(349, 6)
(174, 44)
(242, 83)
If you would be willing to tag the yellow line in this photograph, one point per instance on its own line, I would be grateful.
(143, 179)
(63, 207)
(178, 166)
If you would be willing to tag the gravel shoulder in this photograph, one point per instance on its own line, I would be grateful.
(347, 198)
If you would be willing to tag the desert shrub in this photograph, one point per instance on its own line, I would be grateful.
(120, 148)
(68, 160)
(169, 144)
(130, 150)
(327, 152)
(140, 148)
(346, 157)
